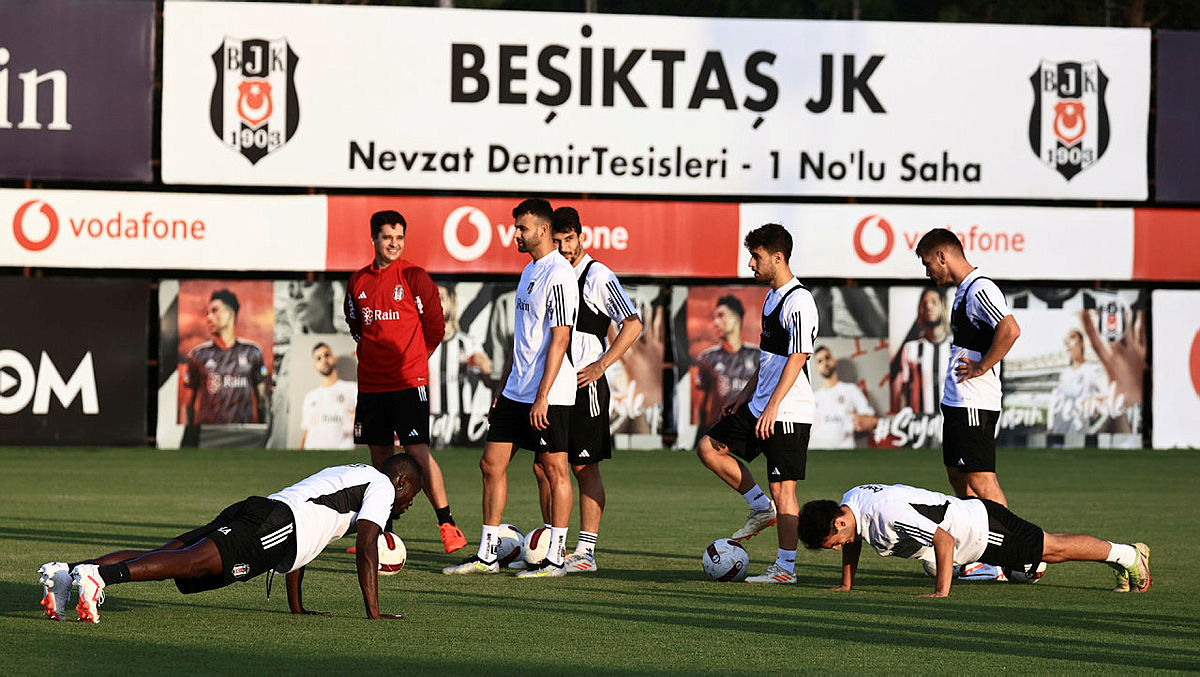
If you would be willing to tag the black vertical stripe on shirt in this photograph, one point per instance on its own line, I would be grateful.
(618, 299)
(988, 306)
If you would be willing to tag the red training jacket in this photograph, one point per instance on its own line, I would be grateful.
(395, 315)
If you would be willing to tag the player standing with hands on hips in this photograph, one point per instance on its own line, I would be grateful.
(983, 331)
(773, 414)
(395, 315)
(602, 301)
(533, 409)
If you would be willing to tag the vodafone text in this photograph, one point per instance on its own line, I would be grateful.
(131, 228)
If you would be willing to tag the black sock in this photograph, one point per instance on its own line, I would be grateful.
(114, 573)
(444, 517)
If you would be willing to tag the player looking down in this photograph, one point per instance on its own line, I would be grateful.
(773, 414)
(280, 533)
(910, 522)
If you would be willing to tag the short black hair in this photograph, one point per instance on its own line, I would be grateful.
(402, 464)
(387, 217)
(936, 239)
(731, 302)
(772, 237)
(566, 220)
(319, 346)
(816, 522)
(536, 206)
(822, 347)
(228, 298)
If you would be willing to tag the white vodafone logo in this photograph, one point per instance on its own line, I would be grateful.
(475, 219)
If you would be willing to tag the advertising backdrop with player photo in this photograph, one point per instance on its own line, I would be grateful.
(215, 384)
(462, 370)
(919, 336)
(1076, 377)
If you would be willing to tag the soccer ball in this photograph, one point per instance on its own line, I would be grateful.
(1026, 574)
(537, 545)
(725, 560)
(508, 544)
(392, 554)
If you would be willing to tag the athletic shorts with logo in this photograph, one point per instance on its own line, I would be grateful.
(786, 449)
(1012, 541)
(591, 437)
(381, 418)
(252, 536)
(509, 422)
(969, 438)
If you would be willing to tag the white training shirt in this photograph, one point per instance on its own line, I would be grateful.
(603, 293)
(329, 504)
(799, 319)
(547, 296)
(900, 520)
(834, 424)
(328, 416)
(985, 306)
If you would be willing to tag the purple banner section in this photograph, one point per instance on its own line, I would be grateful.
(73, 356)
(1177, 175)
(76, 89)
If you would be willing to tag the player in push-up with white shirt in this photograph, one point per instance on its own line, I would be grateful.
(282, 532)
(910, 522)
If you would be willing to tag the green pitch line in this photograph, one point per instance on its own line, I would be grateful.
(647, 610)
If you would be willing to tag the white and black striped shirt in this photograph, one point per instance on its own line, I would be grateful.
(603, 293)
(799, 319)
(547, 297)
(900, 520)
(985, 306)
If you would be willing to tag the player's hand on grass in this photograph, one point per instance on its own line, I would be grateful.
(967, 368)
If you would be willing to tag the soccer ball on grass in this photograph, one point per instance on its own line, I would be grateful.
(725, 560)
(392, 554)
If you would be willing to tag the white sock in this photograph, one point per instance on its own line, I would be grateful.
(1122, 555)
(757, 499)
(786, 560)
(586, 544)
(558, 545)
(488, 542)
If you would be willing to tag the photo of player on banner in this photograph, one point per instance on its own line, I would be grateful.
(461, 370)
(919, 334)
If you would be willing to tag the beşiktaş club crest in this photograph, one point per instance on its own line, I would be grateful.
(254, 108)
(1068, 127)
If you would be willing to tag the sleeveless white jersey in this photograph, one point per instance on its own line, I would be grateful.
(985, 306)
(329, 504)
(328, 416)
(547, 296)
(603, 293)
(900, 520)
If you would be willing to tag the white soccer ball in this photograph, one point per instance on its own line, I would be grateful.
(725, 560)
(508, 544)
(392, 554)
(536, 546)
(1026, 574)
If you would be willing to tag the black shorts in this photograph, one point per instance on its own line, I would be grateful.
(380, 418)
(253, 536)
(509, 422)
(1012, 542)
(590, 436)
(969, 438)
(786, 449)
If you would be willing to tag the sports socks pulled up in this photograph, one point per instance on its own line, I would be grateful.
(1122, 555)
(586, 544)
(786, 560)
(757, 499)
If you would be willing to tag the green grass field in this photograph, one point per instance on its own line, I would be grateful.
(648, 608)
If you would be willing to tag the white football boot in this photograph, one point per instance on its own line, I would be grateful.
(580, 562)
(773, 574)
(91, 591)
(756, 521)
(56, 589)
(473, 565)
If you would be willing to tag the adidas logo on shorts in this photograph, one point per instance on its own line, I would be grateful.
(584, 454)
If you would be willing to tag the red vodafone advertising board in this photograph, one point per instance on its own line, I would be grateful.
(476, 235)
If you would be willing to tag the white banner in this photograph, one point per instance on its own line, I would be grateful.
(101, 229)
(450, 99)
(1011, 243)
(1176, 350)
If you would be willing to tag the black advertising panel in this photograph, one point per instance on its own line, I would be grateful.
(76, 89)
(1177, 175)
(72, 361)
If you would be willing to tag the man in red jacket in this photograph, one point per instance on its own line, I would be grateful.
(395, 315)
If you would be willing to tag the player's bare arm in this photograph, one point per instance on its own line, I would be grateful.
(1007, 332)
(943, 551)
(791, 371)
(366, 559)
(631, 329)
(295, 581)
(850, 554)
(560, 340)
